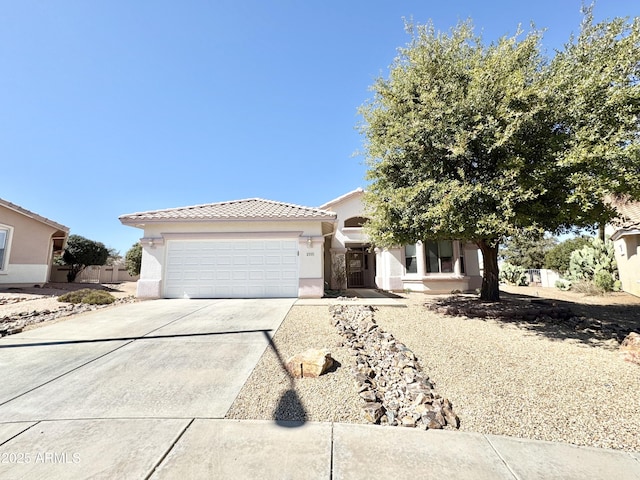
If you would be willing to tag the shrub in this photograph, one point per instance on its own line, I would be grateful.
(81, 252)
(563, 284)
(557, 258)
(88, 296)
(592, 258)
(513, 275)
(98, 297)
(587, 288)
(604, 280)
(133, 259)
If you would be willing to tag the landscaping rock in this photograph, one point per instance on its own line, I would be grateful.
(389, 378)
(529, 313)
(310, 363)
(630, 346)
(16, 323)
(373, 411)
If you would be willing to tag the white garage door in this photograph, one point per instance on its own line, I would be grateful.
(232, 268)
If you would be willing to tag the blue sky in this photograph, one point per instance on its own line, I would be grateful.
(114, 107)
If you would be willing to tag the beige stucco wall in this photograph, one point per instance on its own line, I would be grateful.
(29, 246)
(346, 209)
(627, 251)
(31, 239)
(390, 263)
(390, 269)
(391, 275)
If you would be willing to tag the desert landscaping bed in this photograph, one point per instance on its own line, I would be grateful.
(31, 307)
(544, 380)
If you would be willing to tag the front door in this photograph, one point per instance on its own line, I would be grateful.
(355, 269)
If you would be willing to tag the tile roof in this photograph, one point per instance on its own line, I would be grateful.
(35, 216)
(248, 209)
(357, 192)
(628, 213)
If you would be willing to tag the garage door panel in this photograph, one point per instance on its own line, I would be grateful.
(256, 260)
(243, 268)
(240, 260)
(289, 277)
(273, 259)
(222, 275)
(256, 275)
(239, 275)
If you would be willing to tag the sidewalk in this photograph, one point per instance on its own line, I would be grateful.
(212, 448)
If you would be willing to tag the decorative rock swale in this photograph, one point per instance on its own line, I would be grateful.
(389, 379)
(529, 312)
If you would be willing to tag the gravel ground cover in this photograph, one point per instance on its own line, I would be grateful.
(272, 394)
(33, 307)
(503, 378)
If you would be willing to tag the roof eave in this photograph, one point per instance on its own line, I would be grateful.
(342, 198)
(143, 221)
(623, 232)
(34, 216)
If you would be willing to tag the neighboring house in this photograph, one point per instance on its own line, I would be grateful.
(625, 234)
(262, 248)
(27, 244)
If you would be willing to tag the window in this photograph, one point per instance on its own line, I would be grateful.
(410, 259)
(3, 246)
(439, 256)
(355, 221)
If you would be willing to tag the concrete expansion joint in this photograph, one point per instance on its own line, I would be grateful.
(501, 458)
(171, 446)
(331, 456)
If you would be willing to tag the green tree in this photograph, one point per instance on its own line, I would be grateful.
(473, 141)
(133, 259)
(596, 85)
(557, 258)
(114, 257)
(527, 251)
(82, 252)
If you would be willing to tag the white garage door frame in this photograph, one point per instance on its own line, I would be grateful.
(232, 265)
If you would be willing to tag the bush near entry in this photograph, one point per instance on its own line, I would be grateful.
(88, 296)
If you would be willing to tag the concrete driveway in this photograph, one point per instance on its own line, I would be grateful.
(106, 384)
(139, 392)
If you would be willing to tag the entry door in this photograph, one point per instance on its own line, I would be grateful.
(355, 269)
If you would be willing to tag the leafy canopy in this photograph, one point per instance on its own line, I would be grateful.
(133, 259)
(481, 142)
(557, 258)
(82, 252)
(527, 251)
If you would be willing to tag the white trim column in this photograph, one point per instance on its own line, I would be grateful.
(456, 254)
(421, 259)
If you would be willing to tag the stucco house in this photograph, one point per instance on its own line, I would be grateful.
(27, 244)
(262, 248)
(429, 266)
(625, 234)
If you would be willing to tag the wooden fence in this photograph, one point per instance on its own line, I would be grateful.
(93, 274)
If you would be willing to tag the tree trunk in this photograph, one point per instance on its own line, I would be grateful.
(490, 286)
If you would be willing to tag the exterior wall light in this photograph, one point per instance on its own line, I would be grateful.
(309, 242)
